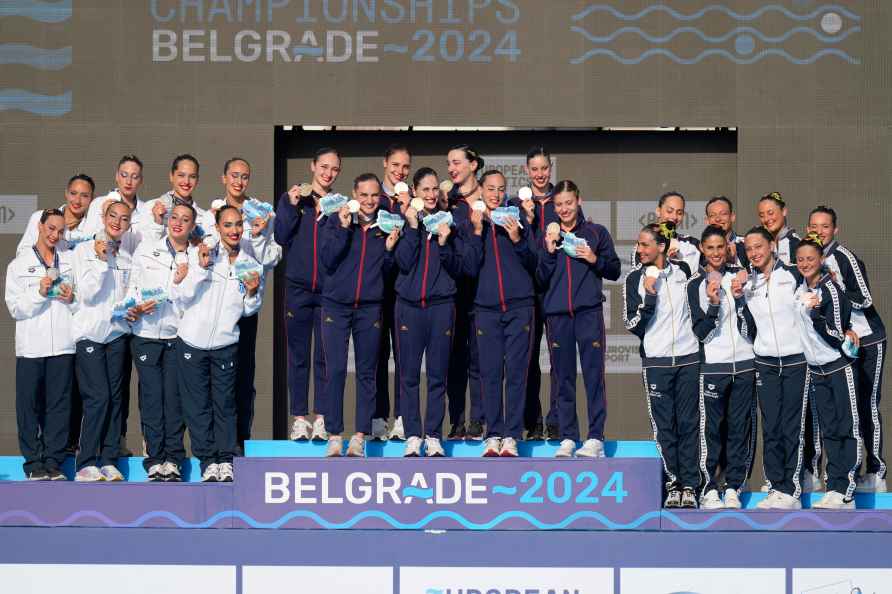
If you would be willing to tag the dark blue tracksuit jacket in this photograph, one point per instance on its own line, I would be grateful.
(572, 304)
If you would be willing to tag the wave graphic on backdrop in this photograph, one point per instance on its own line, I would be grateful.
(45, 12)
(36, 57)
(715, 8)
(704, 522)
(836, 24)
(44, 105)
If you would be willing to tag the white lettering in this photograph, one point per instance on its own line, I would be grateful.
(387, 484)
(443, 478)
(250, 51)
(364, 489)
(189, 45)
(362, 47)
(278, 41)
(275, 482)
(330, 54)
(216, 57)
(325, 496)
(471, 488)
(300, 488)
(164, 39)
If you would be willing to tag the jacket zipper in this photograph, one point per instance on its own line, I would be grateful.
(773, 326)
(359, 274)
(569, 285)
(427, 253)
(495, 247)
(671, 312)
(315, 256)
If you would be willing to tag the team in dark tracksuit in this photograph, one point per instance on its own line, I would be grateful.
(464, 361)
(727, 384)
(356, 263)
(425, 320)
(504, 314)
(388, 337)
(670, 369)
(830, 383)
(298, 230)
(769, 320)
(574, 318)
(543, 215)
(851, 275)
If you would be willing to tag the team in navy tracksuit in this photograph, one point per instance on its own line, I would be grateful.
(772, 210)
(297, 230)
(464, 361)
(356, 259)
(655, 309)
(824, 313)
(727, 374)
(391, 204)
(504, 314)
(543, 215)
(572, 303)
(851, 275)
(429, 265)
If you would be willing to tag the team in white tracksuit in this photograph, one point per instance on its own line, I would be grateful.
(38, 296)
(158, 265)
(655, 309)
(213, 299)
(823, 315)
(727, 373)
(769, 320)
(101, 269)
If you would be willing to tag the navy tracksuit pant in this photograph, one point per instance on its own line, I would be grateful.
(584, 330)
(207, 381)
(783, 399)
(726, 399)
(303, 316)
(42, 409)
(245, 394)
(532, 414)
(339, 323)
(382, 375)
(504, 345)
(836, 400)
(672, 406)
(160, 408)
(869, 374)
(100, 372)
(464, 361)
(423, 331)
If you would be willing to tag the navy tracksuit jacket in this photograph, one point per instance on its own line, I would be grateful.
(464, 362)
(298, 232)
(574, 318)
(504, 315)
(425, 320)
(388, 336)
(356, 264)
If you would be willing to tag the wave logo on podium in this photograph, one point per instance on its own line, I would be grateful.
(806, 37)
(25, 54)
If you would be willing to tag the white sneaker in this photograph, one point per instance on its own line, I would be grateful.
(210, 473)
(509, 448)
(224, 472)
(784, 501)
(811, 483)
(300, 429)
(766, 486)
(171, 472)
(319, 432)
(111, 474)
(834, 500)
(397, 432)
(356, 447)
(592, 448)
(732, 499)
(155, 473)
(335, 447)
(711, 500)
(89, 474)
(433, 448)
(566, 449)
(870, 483)
(379, 430)
(769, 501)
(413, 447)
(491, 447)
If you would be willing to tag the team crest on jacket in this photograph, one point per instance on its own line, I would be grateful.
(142, 357)
(89, 349)
(596, 344)
(187, 356)
(32, 270)
(404, 328)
